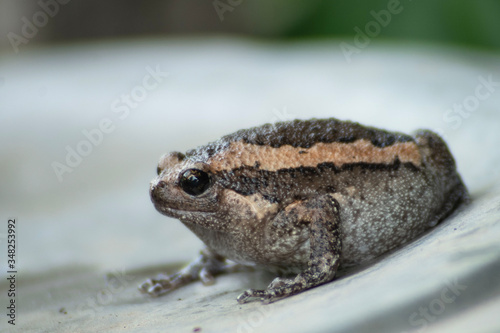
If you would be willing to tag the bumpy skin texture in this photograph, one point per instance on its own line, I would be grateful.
(301, 198)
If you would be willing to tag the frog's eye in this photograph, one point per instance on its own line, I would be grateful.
(194, 181)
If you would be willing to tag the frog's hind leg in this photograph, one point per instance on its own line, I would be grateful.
(437, 157)
(454, 198)
(322, 214)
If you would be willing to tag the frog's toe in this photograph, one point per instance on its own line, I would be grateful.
(250, 293)
(157, 286)
(206, 277)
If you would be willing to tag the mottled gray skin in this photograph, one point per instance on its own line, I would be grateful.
(305, 221)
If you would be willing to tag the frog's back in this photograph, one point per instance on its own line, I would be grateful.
(306, 143)
(328, 151)
(306, 133)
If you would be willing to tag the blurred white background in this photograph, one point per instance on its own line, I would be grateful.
(179, 89)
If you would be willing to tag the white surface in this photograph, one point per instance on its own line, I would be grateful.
(99, 218)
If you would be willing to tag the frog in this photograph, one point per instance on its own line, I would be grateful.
(302, 198)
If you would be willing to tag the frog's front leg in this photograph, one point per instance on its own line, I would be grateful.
(204, 268)
(322, 214)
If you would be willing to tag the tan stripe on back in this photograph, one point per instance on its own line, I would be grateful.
(243, 154)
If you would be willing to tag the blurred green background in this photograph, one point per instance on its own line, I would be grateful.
(458, 22)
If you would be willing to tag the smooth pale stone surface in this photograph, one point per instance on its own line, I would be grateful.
(86, 242)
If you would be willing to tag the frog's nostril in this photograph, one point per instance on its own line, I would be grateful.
(156, 190)
(153, 190)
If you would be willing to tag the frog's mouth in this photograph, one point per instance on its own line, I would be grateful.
(169, 201)
(180, 213)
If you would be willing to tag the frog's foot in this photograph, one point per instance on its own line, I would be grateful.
(204, 268)
(278, 289)
(163, 283)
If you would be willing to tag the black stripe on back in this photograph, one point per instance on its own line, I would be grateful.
(248, 180)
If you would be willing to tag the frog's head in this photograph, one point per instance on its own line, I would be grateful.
(185, 188)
